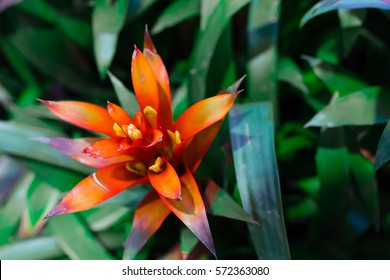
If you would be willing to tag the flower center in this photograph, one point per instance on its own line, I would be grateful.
(151, 116)
(175, 138)
(158, 166)
(137, 168)
(119, 131)
(134, 133)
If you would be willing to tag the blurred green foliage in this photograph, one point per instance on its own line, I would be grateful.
(327, 81)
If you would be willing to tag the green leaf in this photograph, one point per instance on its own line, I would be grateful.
(206, 43)
(180, 100)
(11, 211)
(127, 99)
(335, 78)
(104, 217)
(262, 44)
(137, 7)
(332, 160)
(40, 248)
(331, 5)
(75, 238)
(61, 178)
(177, 12)
(41, 198)
(383, 150)
(48, 52)
(67, 24)
(129, 198)
(19, 64)
(352, 27)
(310, 185)
(218, 202)
(304, 209)
(206, 10)
(365, 107)
(252, 135)
(19, 141)
(10, 171)
(5, 97)
(188, 241)
(288, 71)
(364, 173)
(107, 21)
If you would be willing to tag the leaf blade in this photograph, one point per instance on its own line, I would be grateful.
(251, 130)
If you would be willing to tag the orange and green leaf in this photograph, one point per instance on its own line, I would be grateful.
(161, 75)
(148, 217)
(197, 148)
(96, 188)
(144, 81)
(167, 182)
(203, 114)
(191, 211)
(118, 114)
(82, 114)
(105, 148)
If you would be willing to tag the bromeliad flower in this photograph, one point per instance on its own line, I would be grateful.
(148, 148)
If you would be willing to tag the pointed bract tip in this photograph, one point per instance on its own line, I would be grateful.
(148, 42)
(45, 102)
(58, 210)
(135, 52)
(234, 87)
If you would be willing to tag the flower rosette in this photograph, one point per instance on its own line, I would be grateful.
(148, 148)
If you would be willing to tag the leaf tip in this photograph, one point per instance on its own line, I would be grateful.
(234, 87)
(58, 210)
(47, 103)
(148, 42)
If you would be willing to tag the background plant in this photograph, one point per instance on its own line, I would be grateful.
(325, 74)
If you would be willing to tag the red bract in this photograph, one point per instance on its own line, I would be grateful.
(147, 148)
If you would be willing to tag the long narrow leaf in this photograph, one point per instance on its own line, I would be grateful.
(252, 134)
(75, 238)
(364, 172)
(125, 96)
(331, 5)
(41, 198)
(40, 248)
(262, 43)
(208, 38)
(15, 181)
(365, 107)
(107, 20)
(383, 150)
(17, 139)
(334, 173)
(177, 12)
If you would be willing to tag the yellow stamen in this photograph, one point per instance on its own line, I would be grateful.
(158, 166)
(134, 133)
(118, 131)
(175, 137)
(151, 116)
(137, 168)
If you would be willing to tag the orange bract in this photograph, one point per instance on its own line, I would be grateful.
(149, 148)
